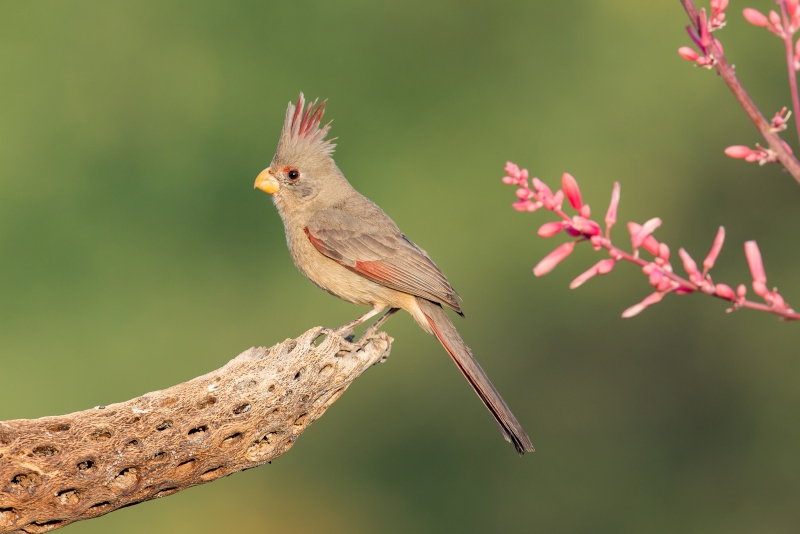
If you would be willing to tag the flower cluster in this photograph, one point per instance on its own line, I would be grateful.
(781, 26)
(760, 154)
(580, 227)
(702, 36)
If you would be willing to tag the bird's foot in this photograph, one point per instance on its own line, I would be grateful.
(345, 332)
(377, 324)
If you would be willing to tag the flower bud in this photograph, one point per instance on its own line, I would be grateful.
(688, 53)
(755, 17)
(571, 189)
(549, 262)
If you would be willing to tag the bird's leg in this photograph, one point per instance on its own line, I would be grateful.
(377, 324)
(352, 324)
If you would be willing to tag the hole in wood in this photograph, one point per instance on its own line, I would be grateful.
(163, 425)
(262, 447)
(100, 435)
(8, 516)
(99, 508)
(211, 474)
(132, 443)
(126, 479)
(242, 408)
(185, 467)
(44, 451)
(59, 427)
(159, 456)
(85, 465)
(246, 384)
(231, 440)
(271, 388)
(300, 421)
(299, 373)
(205, 403)
(326, 370)
(27, 480)
(45, 526)
(69, 497)
(198, 431)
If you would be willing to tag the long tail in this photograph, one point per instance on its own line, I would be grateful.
(447, 335)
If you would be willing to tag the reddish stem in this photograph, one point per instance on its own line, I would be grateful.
(726, 72)
(787, 40)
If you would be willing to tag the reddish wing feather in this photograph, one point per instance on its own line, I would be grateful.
(376, 270)
(392, 272)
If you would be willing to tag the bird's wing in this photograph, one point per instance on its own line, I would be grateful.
(365, 240)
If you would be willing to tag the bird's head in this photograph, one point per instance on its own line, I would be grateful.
(303, 167)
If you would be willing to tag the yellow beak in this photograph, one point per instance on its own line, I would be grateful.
(267, 182)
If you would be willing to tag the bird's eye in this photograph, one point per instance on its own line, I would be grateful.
(293, 174)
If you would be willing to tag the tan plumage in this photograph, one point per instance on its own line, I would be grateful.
(345, 244)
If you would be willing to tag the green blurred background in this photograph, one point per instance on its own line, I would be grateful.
(134, 254)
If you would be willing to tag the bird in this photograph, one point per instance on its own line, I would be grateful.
(346, 245)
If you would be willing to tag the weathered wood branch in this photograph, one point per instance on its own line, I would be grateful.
(57, 470)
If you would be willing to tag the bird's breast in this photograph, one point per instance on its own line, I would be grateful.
(337, 279)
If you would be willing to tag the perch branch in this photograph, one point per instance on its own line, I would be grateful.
(57, 470)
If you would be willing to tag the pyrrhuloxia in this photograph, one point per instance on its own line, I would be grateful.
(346, 245)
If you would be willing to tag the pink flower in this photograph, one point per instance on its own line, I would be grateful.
(754, 261)
(638, 308)
(554, 258)
(541, 188)
(719, 6)
(741, 291)
(761, 155)
(585, 226)
(690, 267)
(688, 53)
(755, 17)
(526, 205)
(663, 251)
(550, 229)
(756, 268)
(644, 232)
(717, 19)
(775, 19)
(655, 278)
(738, 151)
(725, 292)
(611, 214)
(778, 122)
(601, 267)
(512, 169)
(650, 244)
(570, 187)
(708, 263)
